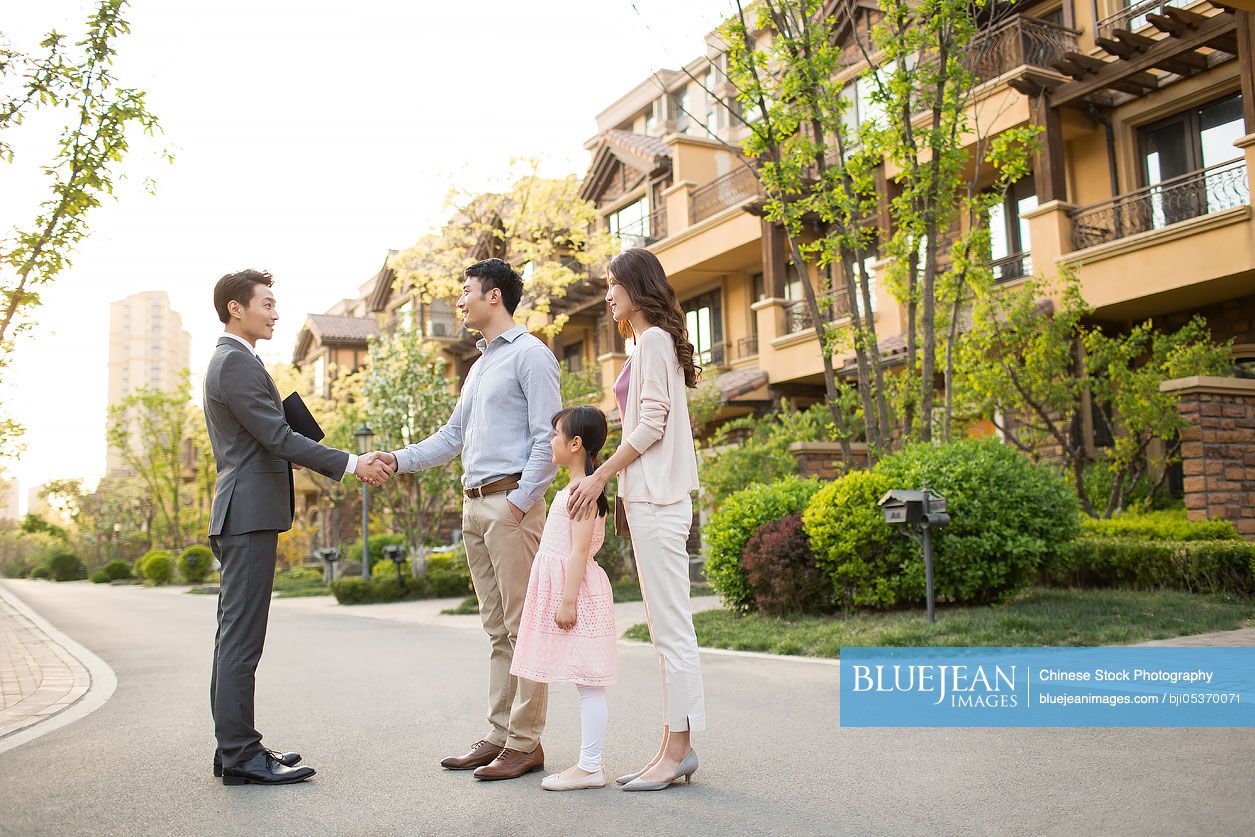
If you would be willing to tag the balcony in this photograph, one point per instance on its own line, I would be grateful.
(1019, 41)
(746, 347)
(1136, 15)
(1191, 195)
(1011, 267)
(722, 193)
(832, 305)
(646, 231)
(716, 355)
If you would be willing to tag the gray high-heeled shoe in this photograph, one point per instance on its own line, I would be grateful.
(685, 770)
(623, 780)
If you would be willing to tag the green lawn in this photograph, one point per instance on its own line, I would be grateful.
(1040, 617)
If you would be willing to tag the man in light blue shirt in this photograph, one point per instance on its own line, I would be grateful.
(501, 426)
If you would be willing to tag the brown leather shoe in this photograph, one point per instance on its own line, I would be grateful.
(481, 754)
(512, 764)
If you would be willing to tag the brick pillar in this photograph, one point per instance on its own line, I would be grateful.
(822, 459)
(1218, 448)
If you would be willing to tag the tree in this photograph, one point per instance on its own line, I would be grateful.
(539, 225)
(100, 117)
(1037, 370)
(149, 429)
(828, 175)
(408, 396)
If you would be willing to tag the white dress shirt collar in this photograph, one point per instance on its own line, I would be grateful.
(242, 342)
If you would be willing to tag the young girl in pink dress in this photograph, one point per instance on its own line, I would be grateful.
(567, 633)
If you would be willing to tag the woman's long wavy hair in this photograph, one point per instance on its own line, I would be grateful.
(642, 276)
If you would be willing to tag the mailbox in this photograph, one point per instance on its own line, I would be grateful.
(396, 554)
(329, 557)
(903, 506)
(917, 509)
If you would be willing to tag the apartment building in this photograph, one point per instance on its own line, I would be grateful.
(148, 349)
(9, 494)
(1142, 185)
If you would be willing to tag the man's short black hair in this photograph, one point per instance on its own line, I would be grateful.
(495, 273)
(239, 287)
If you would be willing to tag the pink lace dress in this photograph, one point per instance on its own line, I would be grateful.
(585, 654)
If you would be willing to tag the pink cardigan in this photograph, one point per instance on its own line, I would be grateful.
(656, 425)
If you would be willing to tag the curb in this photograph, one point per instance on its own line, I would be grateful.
(102, 682)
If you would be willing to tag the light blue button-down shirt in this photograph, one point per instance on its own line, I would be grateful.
(502, 422)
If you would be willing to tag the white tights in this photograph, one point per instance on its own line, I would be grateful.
(594, 714)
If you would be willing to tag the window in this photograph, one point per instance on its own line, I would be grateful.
(870, 275)
(793, 290)
(712, 101)
(703, 315)
(651, 120)
(405, 316)
(1199, 138)
(573, 357)
(680, 109)
(320, 375)
(629, 225)
(1009, 242)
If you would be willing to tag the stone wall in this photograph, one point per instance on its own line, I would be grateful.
(1218, 448)
(823, 459)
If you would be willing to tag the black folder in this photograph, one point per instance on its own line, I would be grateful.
(300, 419)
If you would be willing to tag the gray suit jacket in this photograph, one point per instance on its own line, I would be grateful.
(253, 446)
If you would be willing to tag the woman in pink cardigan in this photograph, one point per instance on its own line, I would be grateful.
(657, 468)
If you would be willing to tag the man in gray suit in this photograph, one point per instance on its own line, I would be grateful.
(255, 451)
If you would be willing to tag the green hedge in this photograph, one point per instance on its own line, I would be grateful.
(195, 563)
(353, 551)
(1195, 566)
(862, 554)
(116, 570)
(1166, 525)
(737, 518)
(156, 566)
(64, 565)
(447, 576)
(1009, 518)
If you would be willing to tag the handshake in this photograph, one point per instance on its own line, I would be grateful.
(376, 468)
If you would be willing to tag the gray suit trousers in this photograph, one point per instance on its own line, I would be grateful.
(248, 571)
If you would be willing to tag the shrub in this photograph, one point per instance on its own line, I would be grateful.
(387, 567)
(157, 567)
(1197, 566)
(116, 569)
(862, 555)
(99, 576)
(195, 563)
(351, 590)
(14, 568)
(353, 552)
(448, 574)
(64, 565)
(782, 572)
(1166, 525)
(386, 587)
(1009, 517)
(732, 524)
(39, 571)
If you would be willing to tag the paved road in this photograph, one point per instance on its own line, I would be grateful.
(373, 704)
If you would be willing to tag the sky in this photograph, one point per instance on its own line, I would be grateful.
(309, 138)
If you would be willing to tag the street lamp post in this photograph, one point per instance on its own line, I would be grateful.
(365, 441)
(117, 541)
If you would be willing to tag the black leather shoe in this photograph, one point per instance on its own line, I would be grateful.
(264, 769)
(286, 759)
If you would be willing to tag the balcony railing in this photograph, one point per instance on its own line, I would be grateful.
(1018, 41)
(747, 347)
(721, 193)
(642, 233)
(1191, 195)
(714, 355)
(797, 314)
(1133, 16)
(1011, 267)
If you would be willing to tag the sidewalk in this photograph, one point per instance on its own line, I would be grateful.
(38, 678)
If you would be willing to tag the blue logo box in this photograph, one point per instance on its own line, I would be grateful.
(1048, 687)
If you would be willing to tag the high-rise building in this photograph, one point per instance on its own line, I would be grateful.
(39, 506)
(8, 500)
(148, 349)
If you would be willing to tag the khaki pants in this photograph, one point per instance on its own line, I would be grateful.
(500, 552)
(659, 539)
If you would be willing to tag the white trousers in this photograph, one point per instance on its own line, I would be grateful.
(659, 543)
(594, 715)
